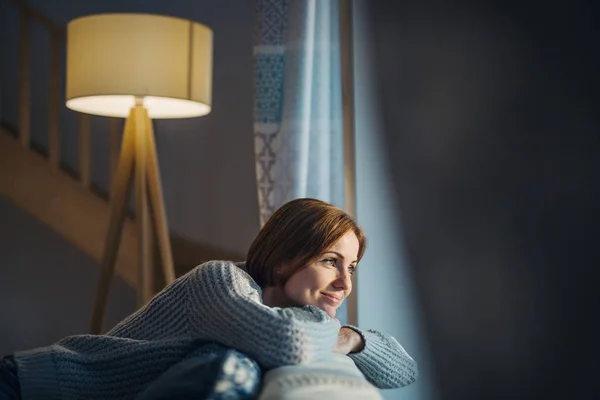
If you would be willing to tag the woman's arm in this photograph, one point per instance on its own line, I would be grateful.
(224, 305)
(382, 360)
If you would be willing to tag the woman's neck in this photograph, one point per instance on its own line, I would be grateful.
(274, 296)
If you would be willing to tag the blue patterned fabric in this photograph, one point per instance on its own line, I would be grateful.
(298, 107)
(212, 372)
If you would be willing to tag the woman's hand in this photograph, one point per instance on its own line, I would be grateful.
(349, 341)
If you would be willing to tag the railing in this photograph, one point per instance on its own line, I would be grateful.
(57, 42)
(186, 253)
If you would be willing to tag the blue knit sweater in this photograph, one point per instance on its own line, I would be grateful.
(216, 301)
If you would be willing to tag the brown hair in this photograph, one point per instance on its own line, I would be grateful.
(297, 232)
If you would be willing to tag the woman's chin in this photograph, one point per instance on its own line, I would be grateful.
(328, 309)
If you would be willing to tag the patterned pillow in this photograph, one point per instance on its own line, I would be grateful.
(212, 372)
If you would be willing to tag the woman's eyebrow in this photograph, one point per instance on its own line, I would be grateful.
(338, 254)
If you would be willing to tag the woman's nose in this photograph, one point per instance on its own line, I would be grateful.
(344, 279)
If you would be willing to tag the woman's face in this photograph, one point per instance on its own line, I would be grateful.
(326, 281)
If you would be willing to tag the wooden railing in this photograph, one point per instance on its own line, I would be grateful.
(186, 253)
(56, 100)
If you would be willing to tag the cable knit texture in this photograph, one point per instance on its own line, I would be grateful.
(383, 361)
(216, 301)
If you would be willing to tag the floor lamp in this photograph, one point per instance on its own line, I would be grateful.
(139, 67)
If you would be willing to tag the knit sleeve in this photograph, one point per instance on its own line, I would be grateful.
(383, 361)
(225, 305)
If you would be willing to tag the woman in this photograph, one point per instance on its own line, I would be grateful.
(278, 308)
(316, 248)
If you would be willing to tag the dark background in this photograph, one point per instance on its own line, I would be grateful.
(492, 123)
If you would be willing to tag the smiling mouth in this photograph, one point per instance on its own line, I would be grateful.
(331, 298)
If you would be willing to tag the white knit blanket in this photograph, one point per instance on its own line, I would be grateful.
(338, 378)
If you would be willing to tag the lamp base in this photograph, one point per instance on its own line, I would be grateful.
(138, 156)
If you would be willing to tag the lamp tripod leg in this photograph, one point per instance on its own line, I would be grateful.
(158, 207)
(142, 218)
(118, 205)
(138, 154)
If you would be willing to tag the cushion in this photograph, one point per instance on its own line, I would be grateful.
(212, 372)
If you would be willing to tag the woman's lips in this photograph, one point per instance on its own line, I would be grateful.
(331, 298)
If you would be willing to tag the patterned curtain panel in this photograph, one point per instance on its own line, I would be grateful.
(298, 106)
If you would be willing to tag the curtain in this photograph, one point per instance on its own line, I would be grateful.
(298, 103)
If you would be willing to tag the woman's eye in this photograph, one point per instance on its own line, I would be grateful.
(352, 269)
(329, 261)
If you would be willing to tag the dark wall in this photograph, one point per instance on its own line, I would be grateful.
(47, 287)
(492, 120)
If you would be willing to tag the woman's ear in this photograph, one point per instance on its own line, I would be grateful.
(284, 271)
(278, 275)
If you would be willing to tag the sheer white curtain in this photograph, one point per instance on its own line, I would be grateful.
(298, 103)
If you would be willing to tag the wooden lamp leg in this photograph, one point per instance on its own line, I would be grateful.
(118, 205)
(138, 150)
(158, 207)
(144, 289)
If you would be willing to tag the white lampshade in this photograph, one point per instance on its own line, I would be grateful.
(114, 58)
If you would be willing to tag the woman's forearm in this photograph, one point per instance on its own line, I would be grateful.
(225, 306)
(383, 361)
